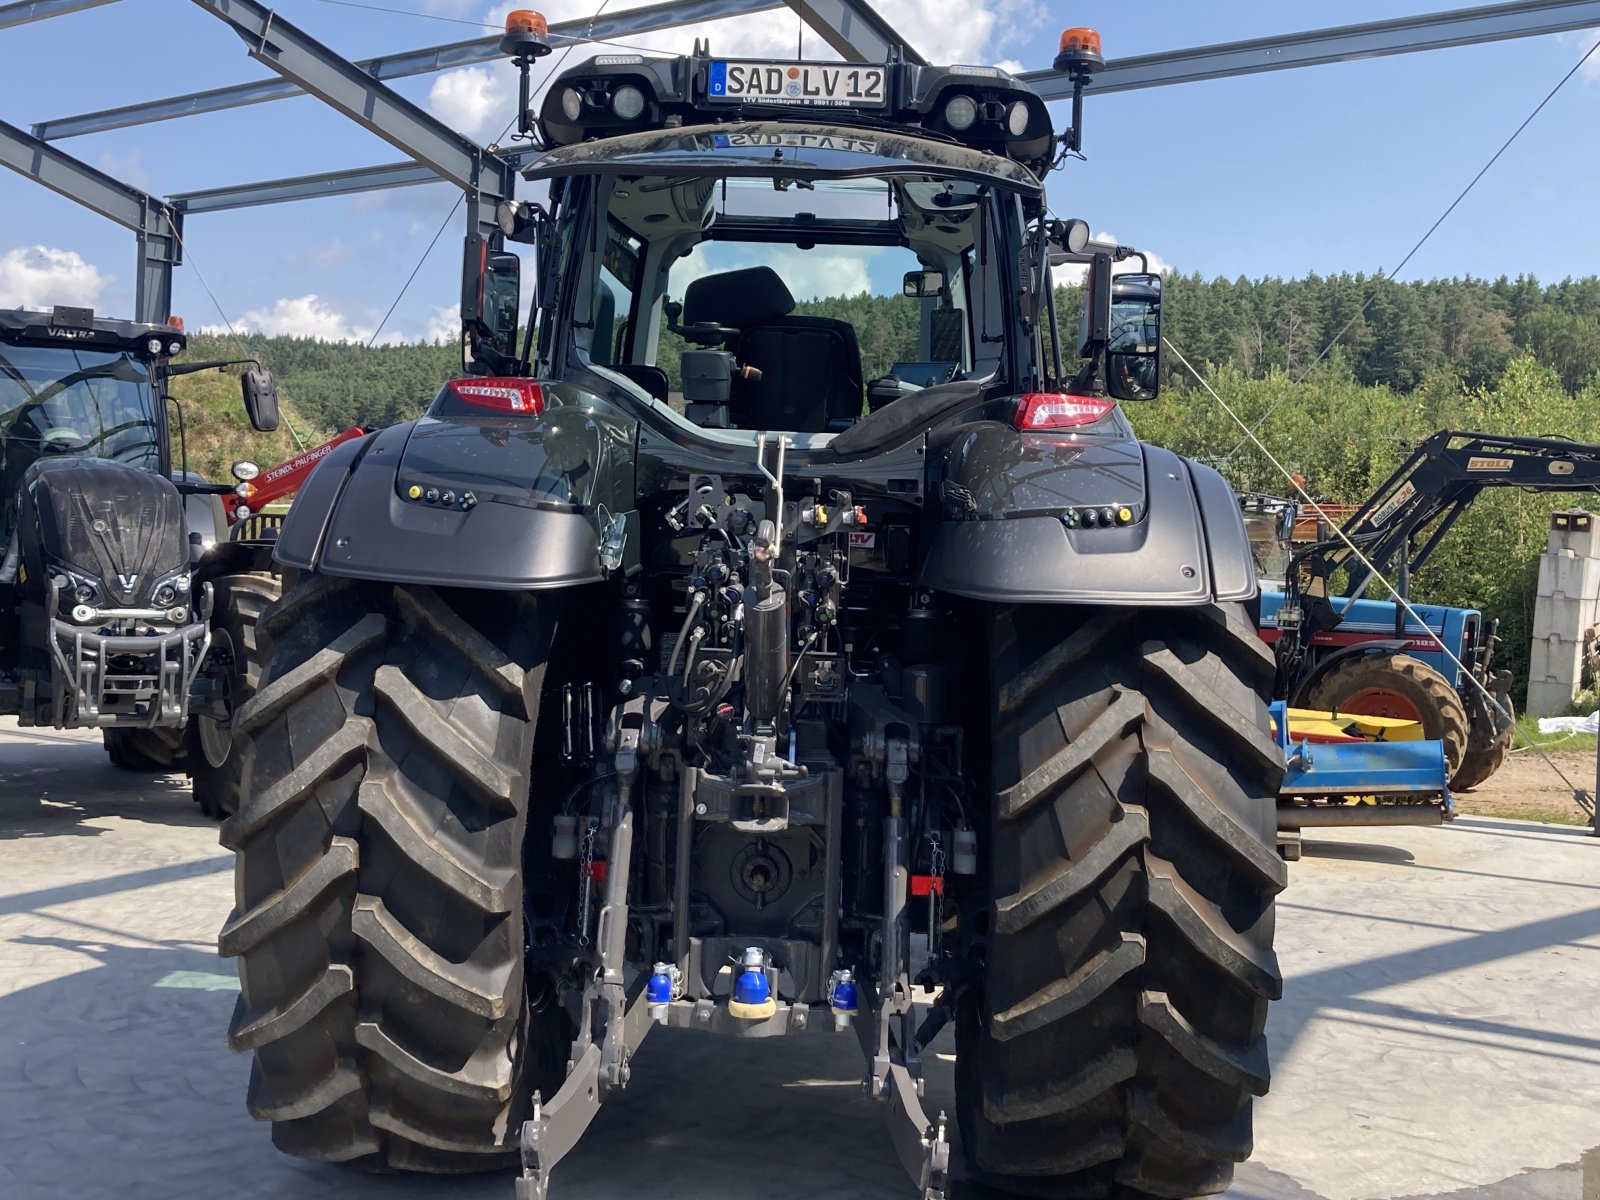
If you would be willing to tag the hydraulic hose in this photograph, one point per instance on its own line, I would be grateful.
(683, 633)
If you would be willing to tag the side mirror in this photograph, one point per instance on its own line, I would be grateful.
(491, 294)
(260, 392)
(1133, 344)
(923, 285)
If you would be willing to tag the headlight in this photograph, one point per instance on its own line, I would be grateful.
(571, 104)
(960, 112)
(85, 593)
(1017, 119)
(165, 595)
(627, 102)
(153, 345)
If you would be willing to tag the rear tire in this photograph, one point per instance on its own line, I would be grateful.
(1397, 685)
(1488, 743)
(152, 751)
(1119, 1034)
(378, 886)
(213, 751)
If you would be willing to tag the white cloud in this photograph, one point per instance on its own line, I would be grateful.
(444, 325)
(1011, 65)
(39, 276)
(475, 101)
(1582, 39)
(310, 316)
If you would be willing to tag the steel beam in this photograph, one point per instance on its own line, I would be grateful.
(342, 85)
(312, 187)
(156, 225)
(1344, 43)
(345, 87)
(304, 187)
(41, 10)
(855, 30)
(636, 21)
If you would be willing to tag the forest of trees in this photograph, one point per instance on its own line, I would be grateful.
(1340, 376)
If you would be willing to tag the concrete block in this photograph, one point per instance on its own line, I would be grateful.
(1554, 669)
(1569, 575)
(1563, 616)
(1580, 537)
(1547, 699)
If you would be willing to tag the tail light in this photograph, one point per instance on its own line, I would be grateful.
(1055, 410)
(520, 397)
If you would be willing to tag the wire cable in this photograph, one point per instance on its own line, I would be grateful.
(1580, 796)
(1421, 242)
(409, 12)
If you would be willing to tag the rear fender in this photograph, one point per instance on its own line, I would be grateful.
(1185, 543)
(528, 499)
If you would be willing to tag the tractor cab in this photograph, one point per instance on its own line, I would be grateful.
(797, 246)
(72, 387)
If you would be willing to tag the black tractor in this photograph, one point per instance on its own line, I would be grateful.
(695, 661)
(126, 603)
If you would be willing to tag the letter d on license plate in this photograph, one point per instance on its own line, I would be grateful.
(828, 84)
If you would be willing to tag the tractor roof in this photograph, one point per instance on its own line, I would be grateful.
(64, 326)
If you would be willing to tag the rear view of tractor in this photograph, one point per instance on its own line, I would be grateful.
(748, 710)
(124, 604)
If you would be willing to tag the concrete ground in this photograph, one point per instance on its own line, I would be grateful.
(1440, 1033)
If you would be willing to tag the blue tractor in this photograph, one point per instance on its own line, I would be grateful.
(1360, 654)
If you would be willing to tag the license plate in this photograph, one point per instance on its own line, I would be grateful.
(829, 85)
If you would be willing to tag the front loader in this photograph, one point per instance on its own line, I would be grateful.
(1364, 654)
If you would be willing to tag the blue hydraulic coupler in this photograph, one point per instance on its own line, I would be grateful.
(752, 992)
(661, 991)
(842, 997)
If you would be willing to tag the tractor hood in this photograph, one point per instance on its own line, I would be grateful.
(121, 528)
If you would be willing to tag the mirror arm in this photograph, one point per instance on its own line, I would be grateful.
(212, 364)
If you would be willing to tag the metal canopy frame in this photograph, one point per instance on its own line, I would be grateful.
(852, 28)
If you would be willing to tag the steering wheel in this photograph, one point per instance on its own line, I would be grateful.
(62, 440)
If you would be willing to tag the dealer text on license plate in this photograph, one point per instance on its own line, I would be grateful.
(798, 83)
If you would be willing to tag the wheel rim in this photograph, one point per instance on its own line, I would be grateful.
(1381, 702)
(216, 737)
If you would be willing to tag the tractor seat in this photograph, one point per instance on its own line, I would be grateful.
(810, 366)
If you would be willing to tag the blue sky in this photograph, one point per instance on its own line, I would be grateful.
(1337, 168)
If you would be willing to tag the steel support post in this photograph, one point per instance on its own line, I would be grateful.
(155, 224)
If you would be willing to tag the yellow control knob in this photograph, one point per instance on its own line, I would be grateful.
(1124, 515)
(414, 492)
